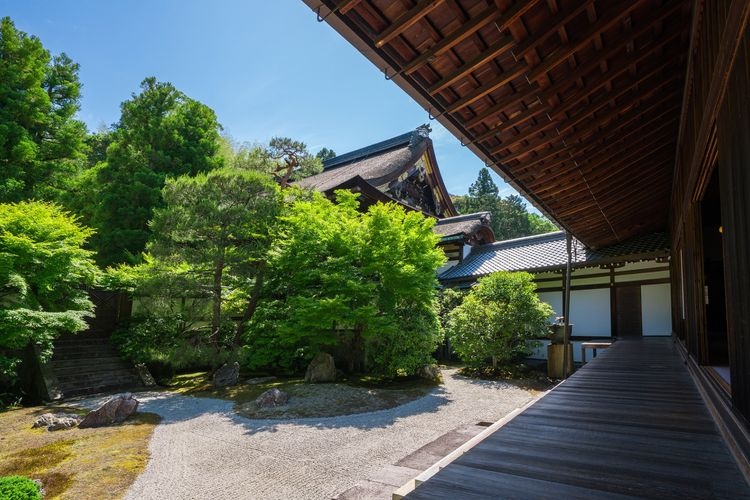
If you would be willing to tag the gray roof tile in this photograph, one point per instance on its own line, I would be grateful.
(547, 251)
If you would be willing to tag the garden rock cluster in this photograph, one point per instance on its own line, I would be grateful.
(57, 421)
(321, 369)
(430, 372)
(272, 398)
(114, 411)
(228, 374)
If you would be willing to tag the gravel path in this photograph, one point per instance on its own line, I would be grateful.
(203, 450)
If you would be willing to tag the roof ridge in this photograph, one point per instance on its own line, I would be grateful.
(371, 150)
(462, 217)
(533, 237)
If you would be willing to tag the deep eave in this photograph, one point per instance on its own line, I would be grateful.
(576, 108)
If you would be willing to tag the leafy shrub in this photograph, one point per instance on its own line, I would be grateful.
(172, 343)
(498, 319)
(361, 285)
(19, 488)
(43, 273)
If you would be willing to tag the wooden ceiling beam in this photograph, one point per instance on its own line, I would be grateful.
(561, 54)
(347, 5)
(557, 21)
(406, 21)
(553, 120)
(641, 105)
(589, 167)
(592, 159)
(635, 113)
(475, 24)
(581, 71)
(520, 67)
(590, 113)
(616, 167)
(501, 106)
(515, 71)
(493, 51)
(567, 194)
(532, 111)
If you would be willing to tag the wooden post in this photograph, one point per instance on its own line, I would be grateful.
(566, 304)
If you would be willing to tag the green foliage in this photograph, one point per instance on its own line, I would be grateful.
(448, 300)
(19, 488)
(218, 225)
(361, 285)
(510, 217)
(497, 319)
(43, 272)
(161, 133)
(41, 144)
(291, 160)
(325, 154)
(175, 341)
(206, 260)
(541, 225)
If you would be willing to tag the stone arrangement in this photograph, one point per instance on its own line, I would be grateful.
(114, 411)
(321, 369)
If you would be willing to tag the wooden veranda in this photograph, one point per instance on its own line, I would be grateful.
(630, 423)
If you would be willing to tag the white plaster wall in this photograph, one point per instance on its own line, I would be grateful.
(590, 312)
(656, 309)
(554, 299)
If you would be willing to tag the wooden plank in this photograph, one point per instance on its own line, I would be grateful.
(628, 424)
(407, 20)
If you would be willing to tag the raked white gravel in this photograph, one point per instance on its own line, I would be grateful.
(202, 450)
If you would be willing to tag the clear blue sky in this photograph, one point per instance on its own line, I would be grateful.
(267, 68)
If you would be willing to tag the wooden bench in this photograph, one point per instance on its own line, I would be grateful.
(593, 346)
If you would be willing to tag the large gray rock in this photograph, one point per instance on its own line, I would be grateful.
(321, 369)
(272, 398)
(114, 411)
(145, 375)
(227, 374)
(431, 372)
(57, 421)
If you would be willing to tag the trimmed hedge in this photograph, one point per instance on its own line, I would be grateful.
(19, 488)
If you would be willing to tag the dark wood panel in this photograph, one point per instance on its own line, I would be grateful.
(628, 311)
(734, 175)
(630, 424)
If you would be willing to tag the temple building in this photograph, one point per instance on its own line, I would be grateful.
(404, 170)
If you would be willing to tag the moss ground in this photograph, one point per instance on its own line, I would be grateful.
(75, 463)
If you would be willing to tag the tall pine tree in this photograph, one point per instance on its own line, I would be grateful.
(162, 133)
(510, 218)
(41, 144)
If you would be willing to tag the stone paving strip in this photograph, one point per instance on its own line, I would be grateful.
(202, 449)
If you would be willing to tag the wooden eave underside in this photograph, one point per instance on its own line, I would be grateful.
(575, 103)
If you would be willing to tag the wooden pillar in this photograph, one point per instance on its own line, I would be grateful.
(566, 306)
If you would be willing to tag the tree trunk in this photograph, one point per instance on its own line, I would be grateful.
(252, 303)
(494, 363)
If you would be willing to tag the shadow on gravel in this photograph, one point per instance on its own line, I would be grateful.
(175, 408)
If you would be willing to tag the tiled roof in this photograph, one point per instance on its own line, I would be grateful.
(547, 251)
(377, 164)
(462, 224)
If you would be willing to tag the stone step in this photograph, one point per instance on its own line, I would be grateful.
(88, 363)
(101, 369)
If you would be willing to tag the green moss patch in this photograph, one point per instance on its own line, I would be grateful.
(75, 463)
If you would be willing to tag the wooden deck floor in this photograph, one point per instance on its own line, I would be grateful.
(629, 424)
